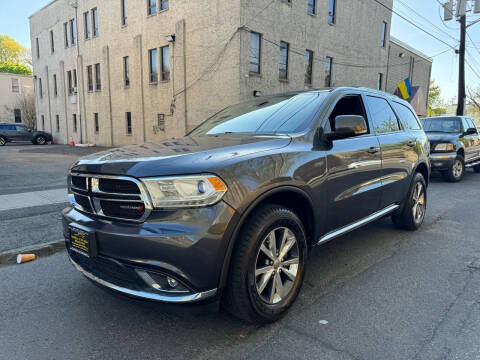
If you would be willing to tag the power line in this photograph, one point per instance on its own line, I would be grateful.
(473, 70)
(412, 23)
(473, 43)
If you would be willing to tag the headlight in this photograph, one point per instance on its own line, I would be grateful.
(444, 147)
(185, 191)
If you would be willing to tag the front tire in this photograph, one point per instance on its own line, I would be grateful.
(268, 265)
(415, 206)
(456, 171)
(41, 140)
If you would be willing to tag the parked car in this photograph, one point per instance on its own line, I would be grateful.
(231, 211)
(455, 145)
(10, 132)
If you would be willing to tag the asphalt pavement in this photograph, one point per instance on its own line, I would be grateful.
(377, 293)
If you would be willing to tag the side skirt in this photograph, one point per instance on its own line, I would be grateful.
(353, 226)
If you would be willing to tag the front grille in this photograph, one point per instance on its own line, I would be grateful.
(119, 198)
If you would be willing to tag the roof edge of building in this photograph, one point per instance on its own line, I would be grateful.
(410, 48)
(42, 8)
(13, 74)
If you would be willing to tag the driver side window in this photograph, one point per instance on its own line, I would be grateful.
(348, 105)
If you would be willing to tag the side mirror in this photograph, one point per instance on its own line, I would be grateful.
(471, 131)
(348, 126)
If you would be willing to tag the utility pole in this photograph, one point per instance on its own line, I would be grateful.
(461, 66)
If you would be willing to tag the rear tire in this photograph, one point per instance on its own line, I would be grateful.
(264, 281)
(415, 206)
(456, 171)
(41, 140)
(3, 141)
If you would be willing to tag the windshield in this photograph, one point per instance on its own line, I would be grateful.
(446, 125)
(276, 115)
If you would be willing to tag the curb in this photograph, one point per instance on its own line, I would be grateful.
(41, 250)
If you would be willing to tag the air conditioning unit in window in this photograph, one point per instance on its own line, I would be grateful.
(74, 90)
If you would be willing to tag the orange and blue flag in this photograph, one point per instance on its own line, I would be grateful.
(405, 88)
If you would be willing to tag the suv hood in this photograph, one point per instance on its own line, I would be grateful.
(187, 155)
(440, 137)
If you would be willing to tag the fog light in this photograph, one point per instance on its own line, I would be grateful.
(172, 282)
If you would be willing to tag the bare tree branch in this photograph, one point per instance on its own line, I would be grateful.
(26, 103)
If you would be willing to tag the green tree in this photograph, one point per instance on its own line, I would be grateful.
(14, 58)
(436, 105)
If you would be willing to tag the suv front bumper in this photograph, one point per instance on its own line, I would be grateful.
(442, 161)
(188, 245)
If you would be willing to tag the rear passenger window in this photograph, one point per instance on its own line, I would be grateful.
(407, 118)
(382, 115)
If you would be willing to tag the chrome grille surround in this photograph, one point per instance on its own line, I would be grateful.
(94, 196)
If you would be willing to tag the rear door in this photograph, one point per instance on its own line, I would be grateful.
(22, 134)
(354, 170)
(397, 147)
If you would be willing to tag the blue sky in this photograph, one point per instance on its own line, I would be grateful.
(14, 22)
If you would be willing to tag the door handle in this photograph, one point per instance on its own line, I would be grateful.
(373, 150)
(411, 143)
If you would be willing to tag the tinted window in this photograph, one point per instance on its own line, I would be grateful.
(407, 118)
(471, 124)
(3, 127)
(445, 124)
(280, 114)
(20, 128)
(382, 115)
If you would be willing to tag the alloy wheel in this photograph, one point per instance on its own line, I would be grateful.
(2, 141)
(41, 140)
(276, 266)
(457, 169)
(419, 204)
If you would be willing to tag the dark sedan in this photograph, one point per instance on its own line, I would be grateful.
(455, 145)
(17, 132)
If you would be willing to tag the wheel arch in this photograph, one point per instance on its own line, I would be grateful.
(423, 169)
(291, 197)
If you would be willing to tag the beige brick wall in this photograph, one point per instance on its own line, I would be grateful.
(8, 98)
(209, 60)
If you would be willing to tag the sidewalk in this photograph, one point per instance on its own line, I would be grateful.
(34, 198)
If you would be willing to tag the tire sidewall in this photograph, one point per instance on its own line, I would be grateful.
(418, 178)
(458, 158)
(4, 141)
(266, 311)
(41, 137)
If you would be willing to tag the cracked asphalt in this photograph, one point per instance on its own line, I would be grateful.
(377, 293)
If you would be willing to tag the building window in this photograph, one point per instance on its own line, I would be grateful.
(328, 71)
(331, 11)
(43, 122)
(308, 67)
(55, 89)
(128, 118)
(161, 122)
(95, 122)
(124, 12)
(152, 56)
(380, 81)
(152, 7)
(95, 21)
(74, 122)
(255, 52)
(73, 31)
(17, 113)
(90, 77)
(283, 64)
(86, 22)
(98, 78)
(163, 5)
(165, 63)
(70, 83)
(52, 42)
(383, 40)
(15, 86)
(57, 119)
(37, 44)
(126, 71)
(40, 87)
(312, 6)
(65, 34)
(74, 81)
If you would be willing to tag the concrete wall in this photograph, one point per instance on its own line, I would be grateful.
(8, 98)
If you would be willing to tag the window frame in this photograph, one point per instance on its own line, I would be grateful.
(73, 32)
(55, 87)
(370, 129)
(96, 125)
(417, 120)
(329, 61)
(95, 28)
(57, 120)
(165, 74)
(87, 25)
(383, 36)
(259, 58)
(124, 12)
(309, 67)
(370, 112)
(65, 34)
(40, 87)
(162, 5)
(128, 123)
(52, 43)
(37, 45)
(70, 82)
(312, 7)
(75, 123)
(153, 76)
(98, 77)
(90, 78)
(126, 71)
(380, 81)
(15, 86)
(15, 112)
(151, 8)
(286, 48)
(332, 12)
(43, 122)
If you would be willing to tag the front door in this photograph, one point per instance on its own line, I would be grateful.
(354, 168)
(22, 134)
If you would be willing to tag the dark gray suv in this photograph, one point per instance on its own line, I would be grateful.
(10, 132)
(231, 211)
